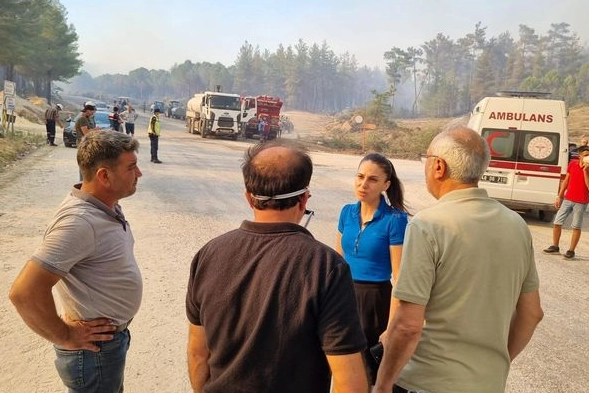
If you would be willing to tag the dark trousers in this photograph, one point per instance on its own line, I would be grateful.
(130, 128)
(374, 303)
(154, 145)
(50, 127)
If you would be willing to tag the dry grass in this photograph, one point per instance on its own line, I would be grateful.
(16, 146)
(28, 132)
(410, 138)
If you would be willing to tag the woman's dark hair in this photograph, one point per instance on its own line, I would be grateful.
(395, 190)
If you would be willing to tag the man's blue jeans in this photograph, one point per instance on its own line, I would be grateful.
(84, 371)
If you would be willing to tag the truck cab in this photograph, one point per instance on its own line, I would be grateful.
(254, 108)
(214, 113)
(527, 136)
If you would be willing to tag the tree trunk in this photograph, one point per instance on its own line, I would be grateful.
(48, 90)
(9, 72)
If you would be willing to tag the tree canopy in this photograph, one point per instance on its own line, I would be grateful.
(442, 77)
(38, 46)
(455, 74)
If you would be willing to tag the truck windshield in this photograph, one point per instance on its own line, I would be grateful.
(225, 102)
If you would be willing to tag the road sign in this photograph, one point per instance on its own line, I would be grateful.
(9, 88)
(10, 103)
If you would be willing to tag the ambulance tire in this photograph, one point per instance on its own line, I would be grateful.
(546, 216)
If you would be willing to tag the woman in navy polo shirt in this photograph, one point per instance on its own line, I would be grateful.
(370, 238)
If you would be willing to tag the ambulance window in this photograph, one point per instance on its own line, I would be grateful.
(539, 147)
(501, 143)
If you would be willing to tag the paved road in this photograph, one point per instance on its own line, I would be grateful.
(196, 194)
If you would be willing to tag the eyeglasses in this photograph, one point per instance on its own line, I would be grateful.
(309, 214)
(424, 157)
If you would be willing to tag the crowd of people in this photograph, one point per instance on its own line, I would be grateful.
(272, 309)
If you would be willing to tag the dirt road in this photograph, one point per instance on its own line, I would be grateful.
(196, 194)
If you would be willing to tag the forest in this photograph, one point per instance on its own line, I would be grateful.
(443, 77)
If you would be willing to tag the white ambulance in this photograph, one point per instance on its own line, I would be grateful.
(528, 138)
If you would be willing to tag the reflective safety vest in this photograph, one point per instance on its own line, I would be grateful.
(153, 127)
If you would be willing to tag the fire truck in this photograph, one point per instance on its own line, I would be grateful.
(255, 108)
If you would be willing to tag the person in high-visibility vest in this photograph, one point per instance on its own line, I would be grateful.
(154, 131)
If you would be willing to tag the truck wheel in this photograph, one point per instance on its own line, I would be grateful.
(202, 128)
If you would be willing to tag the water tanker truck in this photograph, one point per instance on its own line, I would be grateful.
(214, 113)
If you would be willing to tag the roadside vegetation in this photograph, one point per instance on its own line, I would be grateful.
(400, 142)
(380, 132)
(408, 138)
(14, 146)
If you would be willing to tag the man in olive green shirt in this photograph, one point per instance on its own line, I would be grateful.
(467, 293)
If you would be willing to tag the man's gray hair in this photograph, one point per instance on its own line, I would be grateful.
(465, 152)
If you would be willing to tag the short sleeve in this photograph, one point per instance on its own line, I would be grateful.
(68, 241)
(418, 270)
(397, 227)
(339, 327)
(342, 220)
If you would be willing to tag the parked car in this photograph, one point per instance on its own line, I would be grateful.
(101, 106)
(178, 112)
(172, 104)
(159, 105)
(573, 152)
(69, 133)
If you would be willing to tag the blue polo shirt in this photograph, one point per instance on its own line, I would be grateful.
(367, 251)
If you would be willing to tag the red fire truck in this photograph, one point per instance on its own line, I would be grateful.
(255, 108)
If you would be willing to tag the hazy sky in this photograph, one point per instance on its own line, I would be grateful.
(120, 36)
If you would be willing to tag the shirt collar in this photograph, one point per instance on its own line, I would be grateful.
(273, 227)
(116, 213)
(471, 192)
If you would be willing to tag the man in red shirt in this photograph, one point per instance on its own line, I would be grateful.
(572, 197)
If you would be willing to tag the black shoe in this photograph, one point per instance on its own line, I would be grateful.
(52, 144)
(552, 250)
(570, 254)
(156, 161)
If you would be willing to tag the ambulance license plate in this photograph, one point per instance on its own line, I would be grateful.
(494, 179)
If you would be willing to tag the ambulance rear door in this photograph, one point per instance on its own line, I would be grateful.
(529, 148)
(542, 151)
